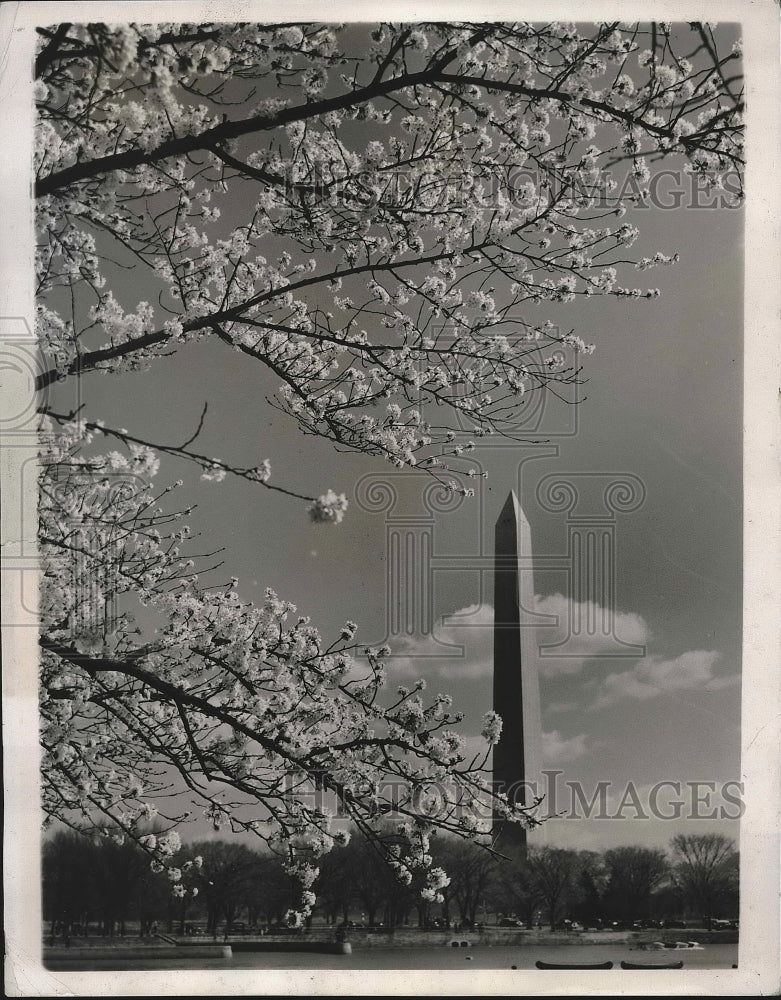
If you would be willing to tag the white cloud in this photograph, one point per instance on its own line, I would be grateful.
(461, 648)
(558, 749)
(471, 629)
(469, 634)
(654, 676)
(581, 646)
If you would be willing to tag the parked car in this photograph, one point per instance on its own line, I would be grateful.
(510, 922)
(674, 924)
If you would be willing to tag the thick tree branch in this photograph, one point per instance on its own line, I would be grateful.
(132, 158)
(90, 360)
(51, 50)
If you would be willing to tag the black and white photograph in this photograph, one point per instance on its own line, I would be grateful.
(390, 535)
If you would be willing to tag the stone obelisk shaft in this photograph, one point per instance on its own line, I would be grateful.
(517, 757)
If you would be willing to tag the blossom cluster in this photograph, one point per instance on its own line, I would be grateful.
(329, 507)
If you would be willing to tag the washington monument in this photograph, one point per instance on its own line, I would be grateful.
(516, 696)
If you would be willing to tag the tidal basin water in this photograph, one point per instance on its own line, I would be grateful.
(713, 956)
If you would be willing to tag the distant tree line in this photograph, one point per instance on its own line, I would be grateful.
(698, 876)
(106, 885)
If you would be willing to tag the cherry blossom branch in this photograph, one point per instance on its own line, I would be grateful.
(227, 130)
(254, 474)
(692, 142)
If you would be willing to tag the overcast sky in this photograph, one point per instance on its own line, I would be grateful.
(664, 405)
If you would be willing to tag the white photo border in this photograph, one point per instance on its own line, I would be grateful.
(758, 971)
